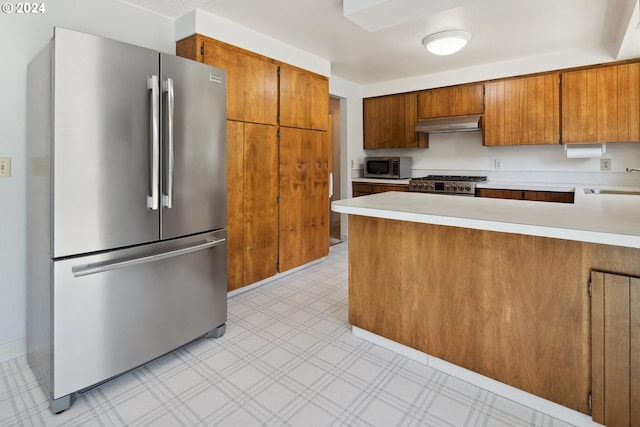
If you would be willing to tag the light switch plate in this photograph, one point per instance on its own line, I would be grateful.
(605, 164)
(5, 167)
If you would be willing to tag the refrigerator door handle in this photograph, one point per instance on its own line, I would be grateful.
(85, 270)
(154, 142)
(167, 199)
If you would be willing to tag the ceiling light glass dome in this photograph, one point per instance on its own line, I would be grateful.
(446, 42)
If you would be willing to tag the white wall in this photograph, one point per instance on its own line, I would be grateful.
(464, 151)
(22, 36)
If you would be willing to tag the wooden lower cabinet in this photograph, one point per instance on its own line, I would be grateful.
(365, 188)
(252, 203)
(615, 349)
(540, 196)
(304, 196)
(512, 307)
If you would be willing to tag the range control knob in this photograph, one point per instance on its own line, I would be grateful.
(468, 187)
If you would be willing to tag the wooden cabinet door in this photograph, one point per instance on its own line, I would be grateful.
(252, 208)
(450, 101)
(615, 349)
(601, 104)
(252, 81)
(390, 121)
(364, 188)
(499, 193)
(260, 188)
(235, 203)
(304, 99)
(549, 196)
(522, 111)
(304, 196)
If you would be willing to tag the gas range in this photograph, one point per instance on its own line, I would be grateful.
(446, 184)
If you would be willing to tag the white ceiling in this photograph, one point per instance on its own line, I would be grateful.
(502, 30)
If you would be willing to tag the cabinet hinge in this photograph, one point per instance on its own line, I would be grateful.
(278, 132)
(278, 118)
(202, 49)
(277, 200)
(590, 401)
(278, 267)
(278, 71)
(589, 288)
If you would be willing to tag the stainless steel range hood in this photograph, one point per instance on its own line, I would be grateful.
(450, 124)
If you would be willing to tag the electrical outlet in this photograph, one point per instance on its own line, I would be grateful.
(5, 167)
(605, 165)
(497, 163)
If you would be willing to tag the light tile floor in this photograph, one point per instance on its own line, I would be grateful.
(288, 358)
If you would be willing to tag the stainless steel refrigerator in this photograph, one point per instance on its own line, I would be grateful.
(126, 209)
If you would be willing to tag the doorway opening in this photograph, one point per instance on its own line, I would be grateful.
(334, 217)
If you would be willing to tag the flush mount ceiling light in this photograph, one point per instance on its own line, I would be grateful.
(446, 42)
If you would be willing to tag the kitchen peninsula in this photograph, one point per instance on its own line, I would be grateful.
(499, 287)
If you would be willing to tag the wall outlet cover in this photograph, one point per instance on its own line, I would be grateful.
(5, 167)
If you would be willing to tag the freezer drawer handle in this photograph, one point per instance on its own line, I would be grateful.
(85, 270)
(154, 142)
(167, 199)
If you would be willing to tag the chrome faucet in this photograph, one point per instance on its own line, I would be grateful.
(633, 170)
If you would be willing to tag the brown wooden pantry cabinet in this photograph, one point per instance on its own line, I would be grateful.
(277, 160)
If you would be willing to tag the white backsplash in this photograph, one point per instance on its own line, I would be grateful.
(464, 154)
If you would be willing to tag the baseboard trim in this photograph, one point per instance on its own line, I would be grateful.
(13, 349)
(272, 278)
(506, 391)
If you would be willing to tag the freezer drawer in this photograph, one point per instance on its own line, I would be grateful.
(115, 311)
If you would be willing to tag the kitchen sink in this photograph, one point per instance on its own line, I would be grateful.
(609, 191)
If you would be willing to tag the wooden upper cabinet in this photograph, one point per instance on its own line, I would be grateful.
(390, 122)
(304, 99)
(450, 101)
(601, 104)
(522, 111)
(252, 79)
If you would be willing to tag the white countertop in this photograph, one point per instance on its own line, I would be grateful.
(596, 218)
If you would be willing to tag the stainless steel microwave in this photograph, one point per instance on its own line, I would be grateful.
(387, 167)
